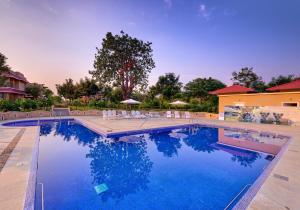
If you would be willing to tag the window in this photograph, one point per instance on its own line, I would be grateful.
(290, 104)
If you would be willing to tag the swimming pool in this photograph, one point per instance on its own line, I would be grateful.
(186, 167)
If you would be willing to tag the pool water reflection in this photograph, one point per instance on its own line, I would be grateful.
(182, 168)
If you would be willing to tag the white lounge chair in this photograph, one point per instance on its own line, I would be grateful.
(133, 113)
(104, 114)
(139, 115)
(109, 114)
(153, 115)
(125, 115)
(169, 114)
(187, 115)
(114, 114)
(176, 115)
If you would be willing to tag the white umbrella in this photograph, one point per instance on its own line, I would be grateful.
(178, 103)
(130, 101)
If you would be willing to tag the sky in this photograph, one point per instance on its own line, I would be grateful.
(52, 40)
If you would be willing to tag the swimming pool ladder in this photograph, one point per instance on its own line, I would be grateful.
(232, 201)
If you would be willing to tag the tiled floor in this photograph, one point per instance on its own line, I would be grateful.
(15, 173)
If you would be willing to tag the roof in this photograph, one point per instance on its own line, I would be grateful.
(233, 89)
(294, 85)
(15, 75)
(11, 90)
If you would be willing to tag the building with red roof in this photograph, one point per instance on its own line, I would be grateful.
(233, 89)
(279, 97)
(291, 86)
(14, 85)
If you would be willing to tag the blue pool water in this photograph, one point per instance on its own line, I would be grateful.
(182, 168)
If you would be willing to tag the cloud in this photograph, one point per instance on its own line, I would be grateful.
(204, 12)
(168, 3)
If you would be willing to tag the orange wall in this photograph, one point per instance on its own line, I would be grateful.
(258, 99)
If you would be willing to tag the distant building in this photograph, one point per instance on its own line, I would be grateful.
(14, 86)
(283, 99)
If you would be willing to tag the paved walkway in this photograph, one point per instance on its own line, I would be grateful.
(112, 126)
(14, 175)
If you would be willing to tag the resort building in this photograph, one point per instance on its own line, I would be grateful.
(14, 86)
(283, 99)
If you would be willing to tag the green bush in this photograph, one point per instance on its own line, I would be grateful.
(6, 105)
(93, 103)
(76, 102)
(28, 105)
(22, 105)
(210, 104)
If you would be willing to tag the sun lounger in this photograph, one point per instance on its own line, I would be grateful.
(133, 113)
(139, 115)
(125, 115)
(109, 114)
(169, 114)
(176, 115)
(115, 115)
(104, 114)
(187, 115)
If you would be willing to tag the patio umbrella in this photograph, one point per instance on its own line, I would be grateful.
(130, 101)
(178, 103)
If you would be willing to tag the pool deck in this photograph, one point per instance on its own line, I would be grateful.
(281, 190)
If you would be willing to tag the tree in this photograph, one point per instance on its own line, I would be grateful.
(67, 89)
(248, 78)
(281, 80)
(168, 85)
(34, 89)
(200, 87)
(123, 61)
(3, 68)
(86, 87)
(38, 90)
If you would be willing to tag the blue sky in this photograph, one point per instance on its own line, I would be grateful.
(50, 41)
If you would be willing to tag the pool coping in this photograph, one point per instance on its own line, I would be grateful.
(247, 198)
(31, 186)
(243, 203)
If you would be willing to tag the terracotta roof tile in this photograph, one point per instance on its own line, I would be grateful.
(294, 85)
(232, 89)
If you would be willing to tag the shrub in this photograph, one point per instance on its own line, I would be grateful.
(93, 103)
(6, 105)
(28, 104)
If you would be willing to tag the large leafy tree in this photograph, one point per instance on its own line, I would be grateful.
(38, 90)
(123, 61)
(200, 87)
(3, 68)
(281, 80)
(67, 89)
(168, 86)
(248, 78)
(86, 87)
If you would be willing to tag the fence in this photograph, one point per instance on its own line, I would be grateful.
(40, 113)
